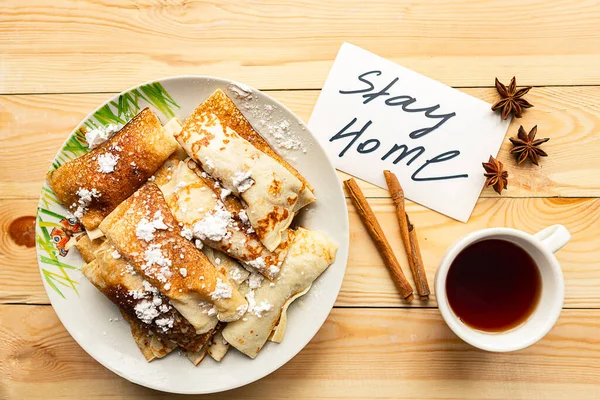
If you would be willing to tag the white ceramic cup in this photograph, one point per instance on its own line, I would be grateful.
(540, 247)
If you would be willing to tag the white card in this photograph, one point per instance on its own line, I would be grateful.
(374, 115)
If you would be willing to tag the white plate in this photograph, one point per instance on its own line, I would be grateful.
(91, 318)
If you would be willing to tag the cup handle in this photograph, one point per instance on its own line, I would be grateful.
(553, 237)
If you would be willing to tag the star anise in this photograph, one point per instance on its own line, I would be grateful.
(495, 175)
(512, 99)
(525, 146)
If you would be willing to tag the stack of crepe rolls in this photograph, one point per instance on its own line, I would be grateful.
(218, 221)
(272, 190)
(145, 232)
(156, 326)
(192, 241)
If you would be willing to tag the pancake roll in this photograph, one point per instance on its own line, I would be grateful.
(93, 185)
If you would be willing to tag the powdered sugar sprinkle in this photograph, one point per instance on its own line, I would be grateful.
(107, 163)
(95, 137)
(85, 198)
(214, 225)
(222, 290)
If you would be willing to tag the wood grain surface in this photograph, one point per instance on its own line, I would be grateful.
(61, 59)
(569, 116)
(358, 354)
(108, 45)
(367, 282)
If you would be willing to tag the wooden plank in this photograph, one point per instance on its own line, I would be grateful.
(409, 355)
(19, 273)
(367, 282)
(108, 46)
(38, 124)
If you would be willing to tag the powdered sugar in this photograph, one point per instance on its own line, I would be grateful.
(97, 136)
(187, 233)
(277, 129)
(208, 308)
(107, 162)
(85, 198)
(283, 138)
(146, 311)
(212, 311)
(224, 194)
(237, 274)
(129, 269)
(258, 263)
(145, 229)
(255, 280)
(242, 180)
(115, 254)
(153, 255)
(183, 272)
(163, 308)
(158, 222)
(148, 287)
(164, 323)
(257, 309)
(137, 294)
(157, 265)
(242, 309)
(214, 225)
(243, 216)
(208, 164)
(273, 270)
(151, 306)
(222, 290)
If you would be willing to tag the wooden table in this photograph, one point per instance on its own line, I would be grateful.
(61, 58)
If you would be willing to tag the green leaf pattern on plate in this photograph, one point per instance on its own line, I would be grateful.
(117, 112)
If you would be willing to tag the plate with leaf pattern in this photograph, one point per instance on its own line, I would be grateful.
(96, 324)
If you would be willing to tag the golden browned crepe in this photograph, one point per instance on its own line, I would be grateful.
(227, 266)
(140, 300)
(88, 247)
(221, 105)
(279, 330)
(158, 208)
(150, 344)
(195, 357)
(163, 175)
(217, 346)
(272, 190)
(145, 232)
(311, 252)
(135, 152)
(195, 200)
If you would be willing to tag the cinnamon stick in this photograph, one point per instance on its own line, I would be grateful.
(409, 236)
(370, 221)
